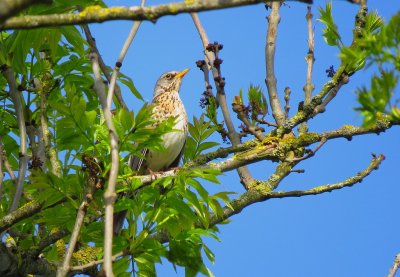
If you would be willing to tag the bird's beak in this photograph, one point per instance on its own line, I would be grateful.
(182, 73)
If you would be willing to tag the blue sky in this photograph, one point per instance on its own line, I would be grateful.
(351, 232)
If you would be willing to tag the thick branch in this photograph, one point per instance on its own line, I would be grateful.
(96, 14)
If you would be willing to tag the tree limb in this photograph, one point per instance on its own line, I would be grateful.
(262, 194)
(310, 59)
(121, 57)
(109, 195)
(270, 46)
(243, 172)
(395, 266)
(103, 66)
(97, 14)
(19, 110)
(63, 269)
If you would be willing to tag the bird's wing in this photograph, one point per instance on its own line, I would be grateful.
(175, 163)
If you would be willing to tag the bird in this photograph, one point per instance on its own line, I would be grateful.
(166, 103)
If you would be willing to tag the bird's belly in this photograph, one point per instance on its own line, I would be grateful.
(173, 143)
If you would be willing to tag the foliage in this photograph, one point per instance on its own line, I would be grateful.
(383, 50)
(377, 44)
(69, 148)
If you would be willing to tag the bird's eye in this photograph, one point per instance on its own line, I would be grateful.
(168, 76)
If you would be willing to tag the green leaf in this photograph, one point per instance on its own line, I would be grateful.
(330, 33)
(127, 81)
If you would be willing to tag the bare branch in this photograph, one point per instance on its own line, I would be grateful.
(244, 174)
(103, 66)
(330, 88)
(97, 14)
(270, 46)
(264, 193)
(19, 110)
(121, 57)
(376, 161)
(109, 195)
(310, 59)
(395, 266)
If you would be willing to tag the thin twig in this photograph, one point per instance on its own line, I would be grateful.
(90, 189)
(103, 66)
(244, 174)
(49, 240)
(395, 266)
(121, 57)
(270, 46)
(8, 168)
(242, 115)
(376, 161)
(259, 195)
(80, 268)
(310, 59)
(332, 94)
(310, 153)
(23, 155)
(109, 195)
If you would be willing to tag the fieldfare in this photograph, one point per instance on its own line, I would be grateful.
(166, 103)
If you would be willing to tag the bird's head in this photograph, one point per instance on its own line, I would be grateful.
(169, 82)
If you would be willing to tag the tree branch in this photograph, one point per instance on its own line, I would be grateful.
(270, 46)
(310, 59)
(259, 194)
(16, 216)
(395, 266)
(19, 110)
(85, 267)
(50, 239)
(109, 195)
(330, 88)
(121, 57)
(243, 172)
(90, 190)
(103, 67)
(97, 14)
